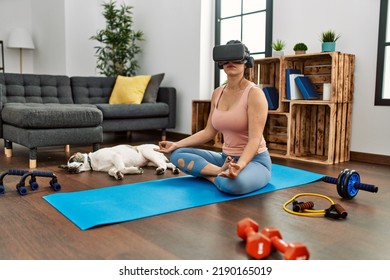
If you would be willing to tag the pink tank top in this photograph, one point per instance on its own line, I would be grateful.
(234, 125)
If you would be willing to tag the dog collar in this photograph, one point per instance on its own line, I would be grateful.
(89, 162)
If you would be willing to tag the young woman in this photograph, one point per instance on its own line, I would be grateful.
(239, 111)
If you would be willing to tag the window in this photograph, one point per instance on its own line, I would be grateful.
(382, 89)
(249, 21)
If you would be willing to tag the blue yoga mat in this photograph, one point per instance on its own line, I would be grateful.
(91, 208)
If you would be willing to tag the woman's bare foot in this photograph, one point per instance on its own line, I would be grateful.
(225, 165)
(232, 171)
(210, 171)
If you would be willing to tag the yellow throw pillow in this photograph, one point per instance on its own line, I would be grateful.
(129, 90)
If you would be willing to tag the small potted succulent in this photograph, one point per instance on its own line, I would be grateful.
(329, 39)
(300, 48)
(278, 47)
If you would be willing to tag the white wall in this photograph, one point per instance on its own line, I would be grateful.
(80, 59)
(304, 20)
(178, 44)
(179, 39)
(15, 13)
(171, 46)
(48, 25)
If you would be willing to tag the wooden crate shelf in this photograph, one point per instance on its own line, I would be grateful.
(333, 67)
(320, 132)
(312, 131)
(200, 115)
(317, 130)
(276, 134)
(265, 72)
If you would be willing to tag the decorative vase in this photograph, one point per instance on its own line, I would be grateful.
(328, 46)
(278, 53)
(300, 52)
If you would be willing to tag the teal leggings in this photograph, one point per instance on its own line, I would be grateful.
(254, 176)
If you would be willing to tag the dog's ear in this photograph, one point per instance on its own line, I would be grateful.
(77, 157)
(63, 166)
(72, 158)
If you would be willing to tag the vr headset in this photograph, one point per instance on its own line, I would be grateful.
(232, 52)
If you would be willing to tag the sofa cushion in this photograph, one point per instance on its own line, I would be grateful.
(33, 115)
(92, 90)
(129, 90)
(123, 111)
(35, 88)
(151, 91)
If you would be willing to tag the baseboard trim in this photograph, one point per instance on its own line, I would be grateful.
(370, 158)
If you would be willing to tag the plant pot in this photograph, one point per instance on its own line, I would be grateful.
(300, 52)
(277, 53)
(328, 46)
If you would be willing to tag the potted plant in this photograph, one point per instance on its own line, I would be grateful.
(118, 42)
(278, 47)
(329, 39)
(300, 48)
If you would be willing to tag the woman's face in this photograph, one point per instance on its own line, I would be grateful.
(234, 67)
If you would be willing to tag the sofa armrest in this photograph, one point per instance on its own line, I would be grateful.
(168, 95)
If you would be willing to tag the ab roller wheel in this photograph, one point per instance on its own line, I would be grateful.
(348, 184)
(21, 186)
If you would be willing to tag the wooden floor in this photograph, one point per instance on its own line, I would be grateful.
(32, 229)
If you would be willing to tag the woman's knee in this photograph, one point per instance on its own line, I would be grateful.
(184, 159)
(177, 157)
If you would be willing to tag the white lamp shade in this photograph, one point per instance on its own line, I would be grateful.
(20, 38)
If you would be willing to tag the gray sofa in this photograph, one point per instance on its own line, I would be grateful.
(49, 110)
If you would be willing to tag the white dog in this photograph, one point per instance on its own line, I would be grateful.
(120, 160)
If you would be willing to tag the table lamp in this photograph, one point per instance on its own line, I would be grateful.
(20, 38)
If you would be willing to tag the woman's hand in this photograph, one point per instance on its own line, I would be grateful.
(166, 147)
(232, 170)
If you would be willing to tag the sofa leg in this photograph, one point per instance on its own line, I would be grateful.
(33, 164)
(8, 152)
(33, 158)
(7, 148)
(96, 146)
(67, 148)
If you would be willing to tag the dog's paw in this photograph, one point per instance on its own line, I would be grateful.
(119, 175)
(160, 171)
(176, 171)
(140, 170)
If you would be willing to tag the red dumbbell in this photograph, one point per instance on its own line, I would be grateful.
(258, 245)
(291, 251)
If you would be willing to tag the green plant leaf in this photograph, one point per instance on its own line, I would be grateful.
(329, 36)
(117, 49)
(278, 45)
(300, 47)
